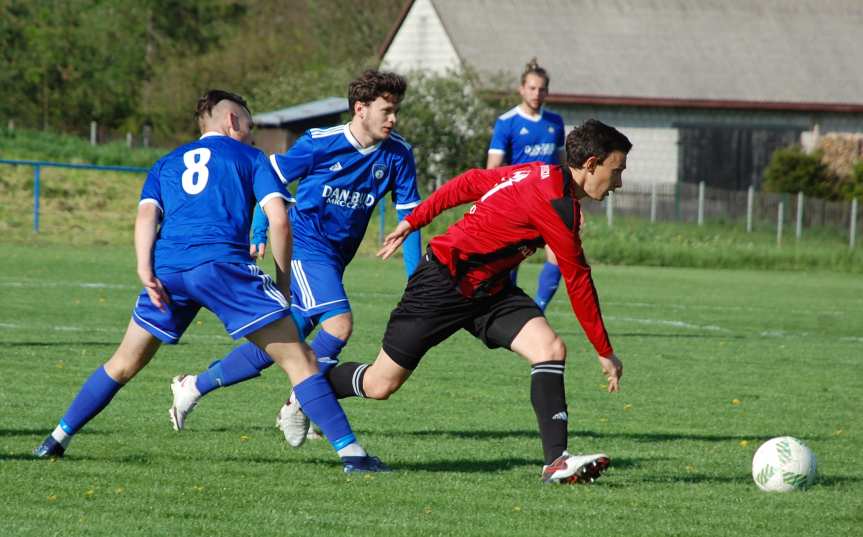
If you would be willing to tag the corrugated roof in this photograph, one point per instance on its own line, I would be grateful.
(310, 110)
(772, 51)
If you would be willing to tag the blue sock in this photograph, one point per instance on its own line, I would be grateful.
(94, 395)
(327, 348)
(320, 405)
(549, 279)
(243, 363)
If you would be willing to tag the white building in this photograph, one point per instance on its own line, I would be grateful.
(705, 89)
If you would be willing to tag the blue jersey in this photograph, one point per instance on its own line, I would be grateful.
(521, 138)
(340, 183)
(206, 190)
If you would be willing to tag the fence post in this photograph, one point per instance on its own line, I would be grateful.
(779, 218)
(853, 230)
(94, 128)
(11, 125)
(799, 215)
(37, 172)
(653, 202)
(750, 201)
(145, 136)
(129, 140)
(677, 200)
(609, 209)
(701, 203)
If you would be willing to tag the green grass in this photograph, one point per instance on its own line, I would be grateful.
(24, 144)
(461, 433)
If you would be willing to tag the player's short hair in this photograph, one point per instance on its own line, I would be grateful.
(373, 84)
(211, 98)
(594, 139)
(533, 68)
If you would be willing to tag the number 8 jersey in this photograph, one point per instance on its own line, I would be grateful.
(206, 191)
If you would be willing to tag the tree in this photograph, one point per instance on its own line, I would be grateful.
(449, 123)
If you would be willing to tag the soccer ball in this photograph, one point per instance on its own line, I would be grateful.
(783, 464)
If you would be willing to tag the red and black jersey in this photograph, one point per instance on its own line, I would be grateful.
(516, 210)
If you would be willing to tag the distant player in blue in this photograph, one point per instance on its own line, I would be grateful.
(191, 242)
(342, 174)
(529, 133)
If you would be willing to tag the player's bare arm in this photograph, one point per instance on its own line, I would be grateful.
(495, 160)
(146, 226)
(280, 237)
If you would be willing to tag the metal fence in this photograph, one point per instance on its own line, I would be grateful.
(37, 166)
(697, 203)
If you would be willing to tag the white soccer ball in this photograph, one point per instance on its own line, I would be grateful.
(783, 464)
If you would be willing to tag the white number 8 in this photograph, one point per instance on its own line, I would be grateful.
(196, 165)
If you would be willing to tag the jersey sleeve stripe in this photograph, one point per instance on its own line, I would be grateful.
(409, 205)
(496, 151)
(151, 201)
(276, 167)
(272, 195)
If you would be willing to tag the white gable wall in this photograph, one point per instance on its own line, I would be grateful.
(421, 43)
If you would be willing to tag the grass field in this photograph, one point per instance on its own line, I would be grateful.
(716, 362)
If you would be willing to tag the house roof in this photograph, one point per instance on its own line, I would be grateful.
(300, 112)
(780, 54)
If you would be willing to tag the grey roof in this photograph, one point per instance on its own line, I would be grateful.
(790, 51)
(309, 110)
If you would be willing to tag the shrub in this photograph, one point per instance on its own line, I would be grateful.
(792, 170)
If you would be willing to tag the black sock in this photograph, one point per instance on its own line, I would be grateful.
(549, 403)
(347, 379)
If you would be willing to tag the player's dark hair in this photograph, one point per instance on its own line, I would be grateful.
(533, 68)
(373, 84)
(209, 100)
(594, 139)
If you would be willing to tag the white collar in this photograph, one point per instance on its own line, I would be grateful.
(210, 133)
(353, 141)
(535, 119)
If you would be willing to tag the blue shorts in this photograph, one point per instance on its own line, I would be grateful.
(317, 293)
(242, 296)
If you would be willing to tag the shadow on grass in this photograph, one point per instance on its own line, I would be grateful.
(637, 437)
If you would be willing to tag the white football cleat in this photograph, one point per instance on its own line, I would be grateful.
(186, 396)
(569, 469)
(293, 422)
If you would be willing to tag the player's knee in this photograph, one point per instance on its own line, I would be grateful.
(381, 388)
(554, 350)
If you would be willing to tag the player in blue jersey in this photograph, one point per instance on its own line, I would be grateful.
(342, 173)
(191, 243)
(530, 133)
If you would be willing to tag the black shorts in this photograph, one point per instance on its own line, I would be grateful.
(432, 309)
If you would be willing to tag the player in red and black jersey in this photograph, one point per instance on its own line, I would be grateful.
(463, 282)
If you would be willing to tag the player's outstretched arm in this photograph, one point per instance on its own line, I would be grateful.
(612, 368)
(394, 240)
(146, 225)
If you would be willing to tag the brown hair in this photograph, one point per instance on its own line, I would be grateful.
(594, 139)
(533, 68)
(373, 84)
(209, 100)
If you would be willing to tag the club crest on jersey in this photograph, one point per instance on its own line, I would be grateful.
(379, 171)
(551, 130)
(544, 171)
(523, 131)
